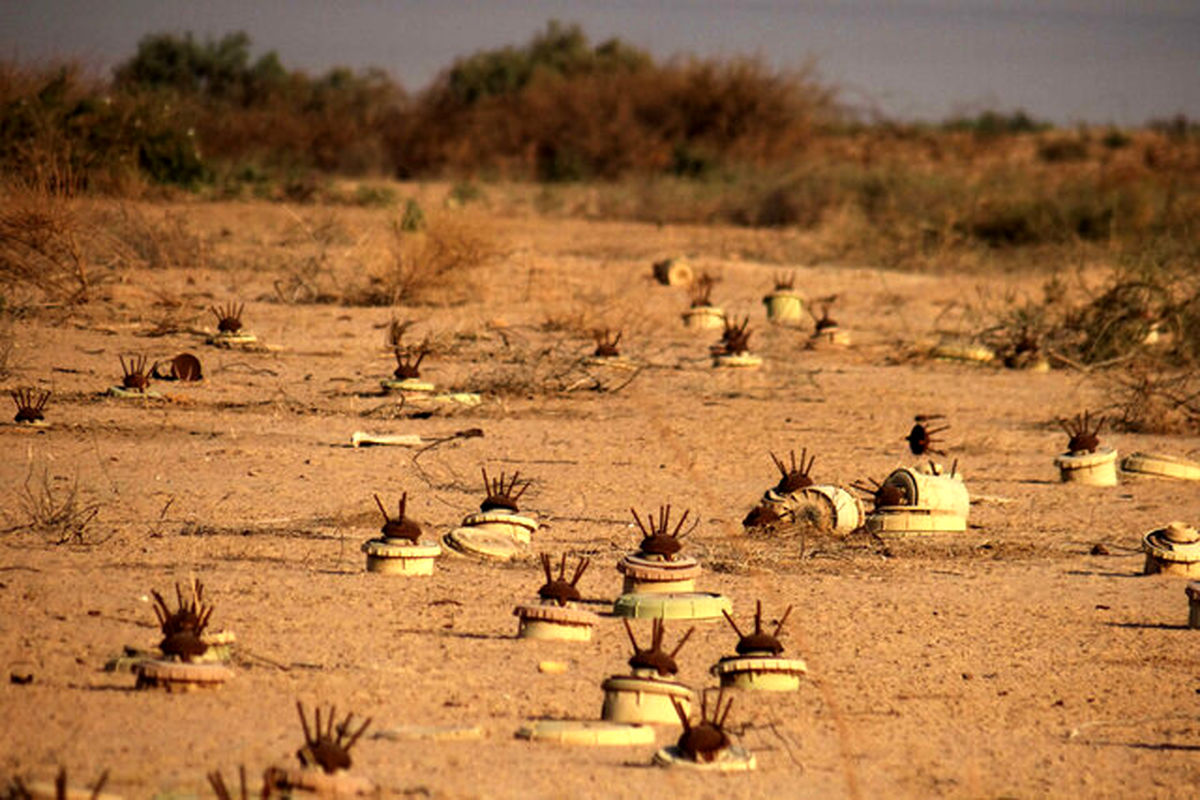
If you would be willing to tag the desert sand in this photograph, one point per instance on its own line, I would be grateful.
(1006, 661)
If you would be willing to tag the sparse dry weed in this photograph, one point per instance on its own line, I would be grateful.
(54, 507)
(42, 244)
(435, 266)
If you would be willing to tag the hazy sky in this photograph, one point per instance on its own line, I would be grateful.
(1066, 60)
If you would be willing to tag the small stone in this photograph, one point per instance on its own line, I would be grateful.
(1099, 550)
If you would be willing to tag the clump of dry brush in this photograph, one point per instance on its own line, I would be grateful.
(1144, 319)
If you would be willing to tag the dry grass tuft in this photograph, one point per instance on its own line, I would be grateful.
(59, 514)
(1156, 400)
(435, 266)
(42, 244)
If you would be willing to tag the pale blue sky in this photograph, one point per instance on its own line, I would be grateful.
(1066, 60)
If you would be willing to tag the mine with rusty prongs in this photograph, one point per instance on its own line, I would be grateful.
(30, 404)
(606, 344)
(785, 281)
(921, 438)
(499, 496)
(229, 317)
(400, 527)
(758, 642)
(136, 378)
(560, 590)
(796, 477)
(183, 628)
(701, 290)
(735, 339)
(183, 367)
(883, 495)
(705, 741)
(408, 361)
(18, 790)
(656, 540)
(654, 658)
(1085, 436)
(824, 322)
(328, 747)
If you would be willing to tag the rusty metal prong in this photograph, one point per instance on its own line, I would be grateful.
(382, 510)
(682, 520)
(732, 623)
(580, 569)
(683, 641)
(304, 723)
(782, 620)
(629, 630)
(638, 520)
(721, 722)
(679, 712)
(357, 734)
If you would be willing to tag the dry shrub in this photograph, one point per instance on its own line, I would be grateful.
(434, 266)
(157, 240)
(59, 514)
(42, 244)
(1150, 399)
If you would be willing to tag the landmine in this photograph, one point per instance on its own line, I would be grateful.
(181, 669)
(231, 333)
(135, 381)
(555, 615)
(400, 551)
(915, 502)
(785, 306)
(702, 314)
(1173, 550)
(826, 331)
(407, 382)
(1161, 466)
(705, 745)
(647, 695)
(31, 405)
(607, 353)
(963, 351)
(499, 530)
(673, 272)
(759, 664)
(1086, 461)
(660, 583)
(587, 732)
(734, 348)
(796, 498)
(324, 759)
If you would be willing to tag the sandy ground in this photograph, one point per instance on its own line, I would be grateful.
(1003, 662)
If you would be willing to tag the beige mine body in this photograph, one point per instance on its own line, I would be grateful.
(938, 504)
(785, 307)
(550, 621)
(1173, 550)
(400, 557)
(645, 698)
(1094, 469)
